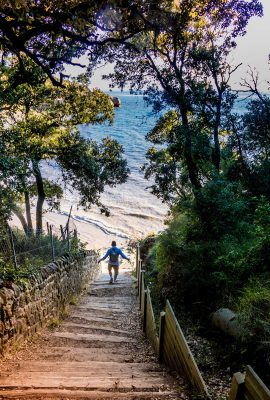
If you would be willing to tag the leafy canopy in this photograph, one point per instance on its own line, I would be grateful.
(40, 124)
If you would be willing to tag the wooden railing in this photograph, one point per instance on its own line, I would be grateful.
(170, 344)
(172, 348)
(248, 386)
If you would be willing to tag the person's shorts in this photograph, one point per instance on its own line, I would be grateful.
(115, 267)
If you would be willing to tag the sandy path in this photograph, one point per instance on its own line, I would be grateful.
(99, 352)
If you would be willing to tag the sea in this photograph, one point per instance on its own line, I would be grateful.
(134, 211)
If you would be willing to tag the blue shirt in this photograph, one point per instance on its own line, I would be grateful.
(114, 249)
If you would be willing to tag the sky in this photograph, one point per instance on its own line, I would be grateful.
(253, 50)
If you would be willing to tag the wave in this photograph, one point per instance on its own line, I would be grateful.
(143, 216)
(98, 224)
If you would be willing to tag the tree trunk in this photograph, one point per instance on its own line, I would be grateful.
(28, 213)
(40, 199)
(216, 153)
(192, 169)
(22, 219)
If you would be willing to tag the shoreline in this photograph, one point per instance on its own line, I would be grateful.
(96, 230)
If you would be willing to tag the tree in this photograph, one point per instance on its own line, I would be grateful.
(181, 60)
(40, 124)
(249, 143)
(54, 33)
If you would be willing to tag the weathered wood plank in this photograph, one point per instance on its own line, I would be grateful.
(161, 335)
(255, 389)
(237, 387)
(189, 363)
(95, 328)
(90, 367)
(93, 338)
(173, 353)
(45, 394)
(151, 329)
(181, 353)
(142, 298)
(173, 336)
(95, 383)
(141, 288)
(170, 356)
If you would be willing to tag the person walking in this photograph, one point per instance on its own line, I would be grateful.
(113, 263)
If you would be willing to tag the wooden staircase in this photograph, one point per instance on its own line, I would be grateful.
(99, 352)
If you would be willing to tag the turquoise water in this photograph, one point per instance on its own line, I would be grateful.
(135, 212)
(132, 122)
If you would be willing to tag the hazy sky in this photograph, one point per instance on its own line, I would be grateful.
(253, 49)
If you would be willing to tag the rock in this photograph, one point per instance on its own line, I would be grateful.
(226, 320)
(23, 310)
(116, 101)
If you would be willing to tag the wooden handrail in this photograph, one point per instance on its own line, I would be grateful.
(170, 335)
(172, 348)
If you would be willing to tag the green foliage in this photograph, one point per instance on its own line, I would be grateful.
(40, 124)
(21, 276)
(54, 323)
(167, 163)
(32, 253)
(222, 207)
(204, 258)
(253, 306)
(88, 167)
(256, 121)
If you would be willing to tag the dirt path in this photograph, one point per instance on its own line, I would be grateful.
(99, 352)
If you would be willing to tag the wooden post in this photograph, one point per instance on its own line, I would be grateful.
(140, 266)
(161, 335)
(139, 277)
(68, 238)
(52, 244)
(48, 227)
(144, 310)
(237, 388)
(137, 258)
(75, 240)
(140, 287)
(62, 232)
(139, 252)
(13, 248)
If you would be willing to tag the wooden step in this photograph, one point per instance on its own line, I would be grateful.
(84, 354)
(90, 337)
(84, 375)
(52, 394)
(92, 327)
(95, 354)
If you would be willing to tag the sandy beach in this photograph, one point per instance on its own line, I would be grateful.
(134, 211)
(132, 217)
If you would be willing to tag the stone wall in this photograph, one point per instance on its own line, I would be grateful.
(23, 311)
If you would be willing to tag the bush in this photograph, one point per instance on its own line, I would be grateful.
(204, 258)
(31, 253)
(253, 306)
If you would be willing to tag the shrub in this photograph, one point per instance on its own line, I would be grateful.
(204, 259)
(31, 253)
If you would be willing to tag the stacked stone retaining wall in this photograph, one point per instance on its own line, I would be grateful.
(23, 311)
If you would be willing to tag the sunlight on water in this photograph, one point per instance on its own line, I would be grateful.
(134, 210)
